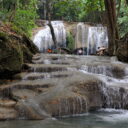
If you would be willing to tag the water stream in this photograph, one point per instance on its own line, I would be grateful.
(43, 39)
(64, 89)
(91, 37)
(87, 37)
(69, 109)
(105, 118)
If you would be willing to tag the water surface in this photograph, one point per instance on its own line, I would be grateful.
(104, 118)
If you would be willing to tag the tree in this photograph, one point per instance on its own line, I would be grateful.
(21, 13)
(49, 4)
(123, 18)
(110, 6)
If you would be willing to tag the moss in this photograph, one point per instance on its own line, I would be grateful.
(27, 54)
(17, 30)
(12, 62)
(70, 41)
(3, 36)
(15, 49)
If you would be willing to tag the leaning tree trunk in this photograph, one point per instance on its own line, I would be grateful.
(49, 8)
(110, 7)
(53, 34)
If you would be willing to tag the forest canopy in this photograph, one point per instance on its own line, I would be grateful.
(23, 13)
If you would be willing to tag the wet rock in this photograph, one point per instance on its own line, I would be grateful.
(87, 84)
(7, 110)
(47, 68)
(23, 94)
(8, 113)
(27, 111)
(7, 103)
(19, 76)
(76, 95)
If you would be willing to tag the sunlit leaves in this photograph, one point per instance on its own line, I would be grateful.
(123, 19)
(21, 13)
(75, 10)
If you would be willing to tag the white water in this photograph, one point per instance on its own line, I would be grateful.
(114, 115)
(88, 37)
(43, 39)
(114, 90)
(91, 37)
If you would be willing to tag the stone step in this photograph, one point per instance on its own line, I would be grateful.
(6, 103)
(48, 61)
(8, 113)
(119, 85)
(28, 84)
(38, 75)
(48, 67)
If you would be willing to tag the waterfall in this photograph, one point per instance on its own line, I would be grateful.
(43, 39)
(81, 36)
(87, 37)
(91, 37)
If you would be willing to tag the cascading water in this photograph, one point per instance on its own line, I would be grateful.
(112, 86)
(68, 85)
(81, 36)
(115, 82)
(90, 38)
(43, 39)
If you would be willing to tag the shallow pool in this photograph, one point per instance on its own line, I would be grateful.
(104, 118)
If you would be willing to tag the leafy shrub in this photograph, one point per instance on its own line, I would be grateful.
(22, 13)
(70, 41)
(123, 19)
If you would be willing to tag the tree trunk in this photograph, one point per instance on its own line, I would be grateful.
(49, 8)
(13, 13)
(118, 10)
(110, 7)
(53, 34)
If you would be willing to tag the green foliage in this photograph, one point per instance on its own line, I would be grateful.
(17, 29)
(70, 41)
(68, 9)
(123, 19)
(25, 16)
(90, 9)
(76, 10)
(3, 15)
(22, 13)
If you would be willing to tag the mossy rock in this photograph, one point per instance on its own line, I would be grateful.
(11, 59)
(15, 50)
(17, 30)
(3, 36)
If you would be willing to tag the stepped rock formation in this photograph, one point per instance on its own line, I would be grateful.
(61, 85)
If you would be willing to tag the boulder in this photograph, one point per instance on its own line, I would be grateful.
(14, 51)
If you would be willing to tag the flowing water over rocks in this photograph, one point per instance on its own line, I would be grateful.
(65, 85)
(87, 37)
(91, 37)
(43, 39)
